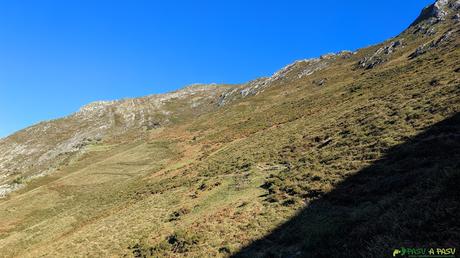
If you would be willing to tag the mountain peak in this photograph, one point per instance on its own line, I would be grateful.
(437, 11)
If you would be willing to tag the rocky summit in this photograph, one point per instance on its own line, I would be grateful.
(351, 154)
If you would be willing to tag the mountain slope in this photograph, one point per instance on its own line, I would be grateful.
(207, 170)
(41, 149)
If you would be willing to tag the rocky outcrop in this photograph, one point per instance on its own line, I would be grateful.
(297, 70)
(437, 12)
(456, 7)
(456, 17)
(380, 56)
(320, 82)
(8, 188)
(430, 45)
(433, 13)
(42, 148)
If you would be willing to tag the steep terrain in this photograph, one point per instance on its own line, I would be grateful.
(350, 154)
(43, 148)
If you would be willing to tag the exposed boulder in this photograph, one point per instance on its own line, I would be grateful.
(345, 54)
(320, 82)
(430, 45)
(380, 56)
(456, 17)
(455, 5)
(425, 29)
(6, 189)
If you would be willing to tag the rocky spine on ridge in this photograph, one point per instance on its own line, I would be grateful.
(41, 149)
(439, 11)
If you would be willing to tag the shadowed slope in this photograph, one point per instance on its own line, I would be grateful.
(408, 198)
(221, 167)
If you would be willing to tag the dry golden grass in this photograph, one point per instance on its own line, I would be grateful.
(209, 186)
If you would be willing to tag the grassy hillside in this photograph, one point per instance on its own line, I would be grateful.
(353, 160)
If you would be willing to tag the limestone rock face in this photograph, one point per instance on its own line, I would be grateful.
(380, 56)
(433, 13)
(297, 70)
(455, 5)
(437, 11)
(433, 44)
(42, 148)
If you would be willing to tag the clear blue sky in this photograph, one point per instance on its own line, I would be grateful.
(56, 56)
